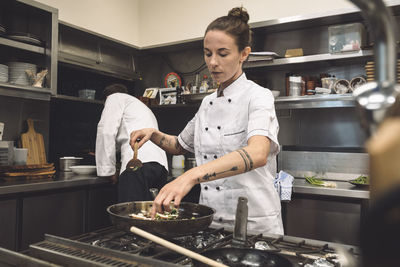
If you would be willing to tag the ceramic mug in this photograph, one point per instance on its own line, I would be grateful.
(20, 156)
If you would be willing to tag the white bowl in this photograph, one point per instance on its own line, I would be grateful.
(83, 169)
(276, 93)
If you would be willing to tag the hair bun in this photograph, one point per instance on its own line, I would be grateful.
(240, 13)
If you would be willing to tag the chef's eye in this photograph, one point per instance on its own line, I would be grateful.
(223, 55)
(207, 54)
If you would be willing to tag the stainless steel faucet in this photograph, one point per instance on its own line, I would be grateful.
(374, 98)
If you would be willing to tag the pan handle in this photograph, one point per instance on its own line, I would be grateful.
(176, 248)
(153, 192)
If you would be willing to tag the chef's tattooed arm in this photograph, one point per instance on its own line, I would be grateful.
(252, 156)
(245, 159)
(169, 143)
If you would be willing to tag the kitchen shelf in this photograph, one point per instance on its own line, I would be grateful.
(308, 59)
(291, 102)
(30, 92)
(315, 101)
(23, 46)
(77, 99)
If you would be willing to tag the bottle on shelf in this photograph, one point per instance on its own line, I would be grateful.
(204, 84)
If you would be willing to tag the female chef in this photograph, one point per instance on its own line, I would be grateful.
(233, 135)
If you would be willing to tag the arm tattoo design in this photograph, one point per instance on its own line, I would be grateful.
(214, 174)
(178, 146)
(162, 141)
(248, 162)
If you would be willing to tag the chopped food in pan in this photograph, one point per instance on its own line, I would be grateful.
(166, 215)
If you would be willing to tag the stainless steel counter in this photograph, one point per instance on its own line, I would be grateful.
(61, 180)
(343, 189)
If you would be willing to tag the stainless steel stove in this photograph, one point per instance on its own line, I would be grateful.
(113, 247)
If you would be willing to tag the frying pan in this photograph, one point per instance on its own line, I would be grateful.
(192, 218)
(233, 256)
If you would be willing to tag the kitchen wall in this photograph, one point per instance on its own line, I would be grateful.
(116, 19)
(146, 23)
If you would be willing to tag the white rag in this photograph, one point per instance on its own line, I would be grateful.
(283, 184)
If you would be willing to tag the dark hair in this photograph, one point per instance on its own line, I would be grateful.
(234, 24)
(114, 88)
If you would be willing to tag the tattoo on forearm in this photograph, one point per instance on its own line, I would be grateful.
(248, 162)
(178, 146)
(208, 176)
(162, 141)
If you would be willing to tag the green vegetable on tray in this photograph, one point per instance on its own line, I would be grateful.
(362, 179)
(319, 182)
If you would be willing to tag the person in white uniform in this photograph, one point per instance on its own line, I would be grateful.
(121, 115)
(233, 135)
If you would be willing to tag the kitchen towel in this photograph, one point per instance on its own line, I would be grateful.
(284, 184)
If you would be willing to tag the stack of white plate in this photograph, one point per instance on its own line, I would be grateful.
(6, 153)
(17, 72)
(3, 73)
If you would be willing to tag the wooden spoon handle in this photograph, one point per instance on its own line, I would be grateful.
(176, 248)
(135, 151)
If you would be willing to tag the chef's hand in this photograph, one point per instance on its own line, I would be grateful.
(143, 134)
(173, 191)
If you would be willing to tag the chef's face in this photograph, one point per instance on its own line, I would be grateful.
(223, 58)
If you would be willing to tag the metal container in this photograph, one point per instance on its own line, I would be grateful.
(67, 162)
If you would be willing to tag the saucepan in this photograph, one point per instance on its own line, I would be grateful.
(192, 218)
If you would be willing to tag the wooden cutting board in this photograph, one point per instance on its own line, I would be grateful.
(33, 141)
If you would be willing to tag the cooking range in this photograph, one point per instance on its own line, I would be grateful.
(113, 247)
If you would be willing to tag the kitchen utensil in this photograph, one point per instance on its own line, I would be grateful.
(67, 162)
(83, 169)
(176, 248)
(153, 192)
(134, 163)
(33, 141)
(237, 255)
(192, 218)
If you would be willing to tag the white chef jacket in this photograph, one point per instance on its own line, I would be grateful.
(224, 124)
(121, 115)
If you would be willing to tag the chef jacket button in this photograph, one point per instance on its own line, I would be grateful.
(220, 219)
(218, 188)
(206, 128)
(219, 127)
(229, 100)
(215, 156)
(206, 188)
(205, 156)
(210, 102)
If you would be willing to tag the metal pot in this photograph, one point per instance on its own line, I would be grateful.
(185, 224)
(66, 162)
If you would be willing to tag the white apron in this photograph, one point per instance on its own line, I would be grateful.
(224, 124)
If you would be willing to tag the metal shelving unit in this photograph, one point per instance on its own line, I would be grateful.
(13, 90)
(22, 46)
(78, 99)
(308, 59)
(315, 101)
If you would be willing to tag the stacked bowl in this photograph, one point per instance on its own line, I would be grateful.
(3, 73)
(18, 72)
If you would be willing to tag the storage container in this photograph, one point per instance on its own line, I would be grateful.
(87, 93)
(347, 37)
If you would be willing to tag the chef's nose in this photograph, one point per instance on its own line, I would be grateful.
(213, 61)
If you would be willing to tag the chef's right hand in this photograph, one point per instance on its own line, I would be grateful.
(143, 135)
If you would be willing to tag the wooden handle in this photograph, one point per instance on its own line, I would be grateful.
(135, 151)
(176, 248)
(31, 128)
